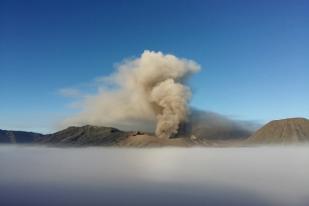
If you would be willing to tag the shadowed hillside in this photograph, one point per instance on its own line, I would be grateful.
(7, 136)
(86, 135)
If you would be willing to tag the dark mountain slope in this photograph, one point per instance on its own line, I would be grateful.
(86, 135)
(7, 136)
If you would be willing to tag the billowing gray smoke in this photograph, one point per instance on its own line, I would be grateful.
(150, 88)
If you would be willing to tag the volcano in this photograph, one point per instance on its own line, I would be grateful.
(285, 131)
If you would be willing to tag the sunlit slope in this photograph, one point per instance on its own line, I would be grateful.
(292, 130)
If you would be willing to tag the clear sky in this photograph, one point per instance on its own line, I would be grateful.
(254, 53)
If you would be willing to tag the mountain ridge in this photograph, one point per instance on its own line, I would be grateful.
(284, 131)
(12, 136)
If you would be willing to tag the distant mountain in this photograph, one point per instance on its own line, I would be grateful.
(7, 136)
(107, 136)
(292, 130)
(86, 135)
(205, 130)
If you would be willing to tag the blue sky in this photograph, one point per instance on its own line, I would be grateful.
(254, 53)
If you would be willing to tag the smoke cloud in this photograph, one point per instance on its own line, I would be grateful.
(149, 90)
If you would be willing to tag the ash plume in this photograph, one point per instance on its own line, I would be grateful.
(145, 91)
(213, 126)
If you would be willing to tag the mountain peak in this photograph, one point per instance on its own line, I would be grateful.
(291, 130)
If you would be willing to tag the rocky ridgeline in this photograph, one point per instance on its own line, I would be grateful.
(286, 131)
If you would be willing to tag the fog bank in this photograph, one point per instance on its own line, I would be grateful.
(166, 176)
